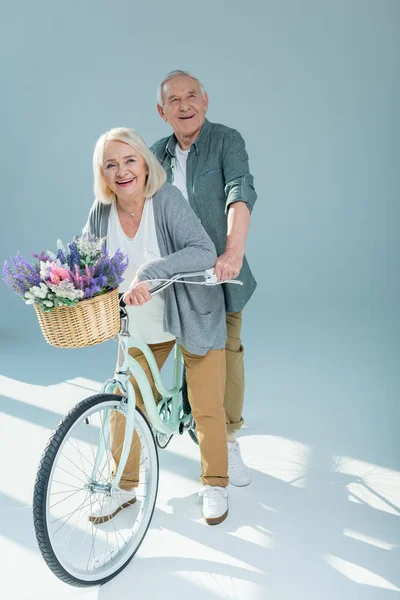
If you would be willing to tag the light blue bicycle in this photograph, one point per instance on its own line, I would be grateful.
(76, 470)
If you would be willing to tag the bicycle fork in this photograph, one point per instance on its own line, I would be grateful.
(126, 405)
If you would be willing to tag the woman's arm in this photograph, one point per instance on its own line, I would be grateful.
(193, 249)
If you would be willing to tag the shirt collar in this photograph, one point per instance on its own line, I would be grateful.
(198, 142)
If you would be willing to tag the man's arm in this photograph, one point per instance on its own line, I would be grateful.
(240, 199)
(229, 264)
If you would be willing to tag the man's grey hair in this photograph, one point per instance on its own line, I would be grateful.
(172, 75)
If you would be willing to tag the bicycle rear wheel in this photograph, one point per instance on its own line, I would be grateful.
(82, 552)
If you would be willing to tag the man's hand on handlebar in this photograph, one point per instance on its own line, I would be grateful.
(138, 293)
(228, 265)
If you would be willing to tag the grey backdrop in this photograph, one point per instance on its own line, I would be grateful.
(313, 86)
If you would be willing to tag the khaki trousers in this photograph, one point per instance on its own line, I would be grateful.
(205, 376)
(234, 390)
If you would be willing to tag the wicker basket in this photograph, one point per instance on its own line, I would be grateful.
(88, 323)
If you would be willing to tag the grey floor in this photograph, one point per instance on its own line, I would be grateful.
(321, 517)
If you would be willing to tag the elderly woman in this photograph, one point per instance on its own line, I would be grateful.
(149, 219)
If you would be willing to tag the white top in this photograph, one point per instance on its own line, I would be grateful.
(146, 321)
(180, 170)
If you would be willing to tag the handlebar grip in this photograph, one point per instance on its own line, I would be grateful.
(121, 302)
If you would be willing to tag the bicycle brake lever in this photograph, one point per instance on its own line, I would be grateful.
(210, 277)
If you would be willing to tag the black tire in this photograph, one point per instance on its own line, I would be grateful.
(187, 409)
(42, 482)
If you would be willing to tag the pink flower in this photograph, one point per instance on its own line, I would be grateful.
(58, 274)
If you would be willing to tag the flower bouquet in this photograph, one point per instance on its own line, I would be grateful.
(74, 292)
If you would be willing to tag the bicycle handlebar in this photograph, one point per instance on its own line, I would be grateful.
(209, 279)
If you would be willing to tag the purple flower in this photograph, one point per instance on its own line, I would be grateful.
(112, 268)
(61, 256)
(43, 256)
(92, 290)
(74, 257)
(22, 277)
(104, 273)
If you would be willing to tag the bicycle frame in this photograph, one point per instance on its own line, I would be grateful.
(128, 367)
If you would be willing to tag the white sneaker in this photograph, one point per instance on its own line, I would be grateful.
(215, 504)
(239, 474)
(108, 506)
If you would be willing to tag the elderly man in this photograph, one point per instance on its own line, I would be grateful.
(209, 164)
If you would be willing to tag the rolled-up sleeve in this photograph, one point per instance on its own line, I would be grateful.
(239, 183)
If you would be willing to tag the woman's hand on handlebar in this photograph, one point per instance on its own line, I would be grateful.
(138, 293)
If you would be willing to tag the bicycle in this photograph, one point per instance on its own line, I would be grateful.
(77, 466)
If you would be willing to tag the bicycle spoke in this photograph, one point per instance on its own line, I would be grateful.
(81, 455)
(116, 536)
(122, 514)
(88, 527)
(69, 515)
(84, 515)
(65, 492)
(82, 548)
(94, 537)
(67, 484)
(64, 499)
(75, 465)
(67, 472)
(119, 447)
(69, 534)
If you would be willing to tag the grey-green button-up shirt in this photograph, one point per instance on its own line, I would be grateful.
(217, 175)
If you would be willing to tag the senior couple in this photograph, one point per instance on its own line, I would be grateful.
(182, 206)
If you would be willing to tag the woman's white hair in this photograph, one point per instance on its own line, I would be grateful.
(156, 176)
(172, 75)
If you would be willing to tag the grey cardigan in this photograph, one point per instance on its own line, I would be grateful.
(194, 314)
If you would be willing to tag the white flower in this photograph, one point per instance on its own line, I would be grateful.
(89, 246)
(66, 289)
(47, 303)
(39, 292)
(44, 268)
(60, 246)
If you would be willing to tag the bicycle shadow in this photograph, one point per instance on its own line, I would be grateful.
(279, 541)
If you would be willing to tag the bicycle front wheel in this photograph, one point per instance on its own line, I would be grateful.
(75, 475)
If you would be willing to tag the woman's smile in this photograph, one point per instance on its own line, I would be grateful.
(124, 170)
(126, 182)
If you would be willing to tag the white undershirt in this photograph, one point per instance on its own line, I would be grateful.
(180, 170)
(146, 321)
